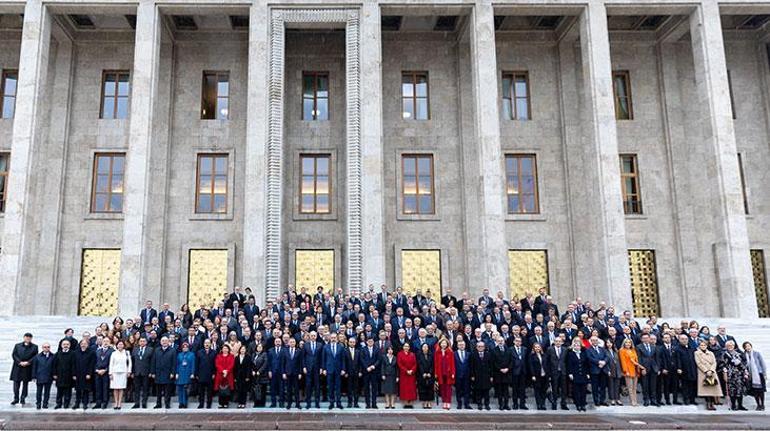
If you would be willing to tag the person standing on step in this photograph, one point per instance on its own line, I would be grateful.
(42, 373)
(21, 370)
(64, 374)
(141, 359)
(102, 375)
(84, 371)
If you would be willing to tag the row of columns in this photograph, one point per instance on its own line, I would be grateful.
(599, 250)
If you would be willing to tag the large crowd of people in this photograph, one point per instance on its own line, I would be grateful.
(311, 348)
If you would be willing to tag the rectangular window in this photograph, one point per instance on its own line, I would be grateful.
(315, 184)
(621, 84)
(743, 185)
(315, 96)
(417, 184)
(107, 189)
(216, 96)
(521, 184)
(629, 181)
(414, 95)
(5, 159)
(115, 92)
(516, 96)
(211, 190)
(8, 93)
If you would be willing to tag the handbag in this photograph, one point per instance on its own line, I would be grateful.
(710, 381)
(224, 391)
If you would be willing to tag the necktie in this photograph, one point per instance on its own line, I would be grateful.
(481, 355)
(312, 347)
(462, 355)
(334, 349)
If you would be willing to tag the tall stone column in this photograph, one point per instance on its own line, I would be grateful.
(731, 248)
(255, 185)
(372, 217)
(18, 230)
(491, 239)
(598, 204)
(134, 265)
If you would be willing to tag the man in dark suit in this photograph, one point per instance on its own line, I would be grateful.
(578, 374)
(723, 337)
(686, 370)
(42, 373)
(102, 374)
(667, 363)
(141, 363)
(650, 368)
(275, 372)
(165, 311)
(236, 295)
(502, 362)
(163, 369)
(369, 364)
(21, 370)
(557, 372)
(64, 374)
(353, 372)
(333, 367)
(292, 372)
(519, 356)
(481, 374)
(194, 342)
(84, 371)
(205, 371)
(311, 367)
(148, 313)
(448, 298)
(462, 375)
(597, 366)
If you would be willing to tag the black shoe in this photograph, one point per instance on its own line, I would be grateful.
(45, 406)
(104, 406)
(331, 406)
(57, 407)
(564, 407)
(339, 406)
(468, 407)
(523, 407)
(158, 406)
(272, 406)
(677, 403)
(135, 406)
(200, 406)
(318, 406)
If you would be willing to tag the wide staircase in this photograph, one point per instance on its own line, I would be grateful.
(51, 329)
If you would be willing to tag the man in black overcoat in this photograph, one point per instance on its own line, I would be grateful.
(481, 374)
(64, 374)
(21, 370)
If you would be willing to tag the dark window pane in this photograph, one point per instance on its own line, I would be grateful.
(507, 111)
(323, 87)
(506, 88)
(307, 86)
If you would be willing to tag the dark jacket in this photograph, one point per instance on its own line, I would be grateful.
(64, 368)
(502, 359)
(291, 365)
(556, 364)
(102, 359)
(84, 364)
(205, 368)
(684, 358)
(242, 371)
(163, 365)
(481, 370)
(42, 368)
(578, 367)
(311, 360)
(142, 366)
(22, 353)
(259, 367)
(462, 369)
(519, 364)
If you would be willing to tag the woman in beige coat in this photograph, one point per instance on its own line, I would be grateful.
(707, 369)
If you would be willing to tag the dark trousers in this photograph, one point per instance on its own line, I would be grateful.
(540, 387)
(81, 392)
(519, 391)
(599, 388)
(242, 391)
(353, 389)
(558, 390)
(163, 392)
(312, 387)
(259, 394)
(501, 393)
(102, 389)
(205, 393)
(649, 387)
(43, 394)
(276, 390)
(292, 389)
(371, 388)
(63, 396)
(141, 390)
(579, 394)
(689, 389)
(463, 392)
(482, 397)
(24, 386)
(333, 383)
(667, 385)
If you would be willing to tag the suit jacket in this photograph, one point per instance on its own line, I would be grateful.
(352, 365)
(722, 340)
(666, 359)
(684, 358)
(519, 361)
(196, 344)
(163, 365)
(275, 360)
(544, 341)
(311, 360)
(462, 368)
(163, 313)
(147, 315)
(648, 358)
(42, 368)
(142, 365)
(333, 362)
(556, 364)
(501, 359)
(594, 355)
(22, 353)
(365, 360)
(205, 366)
(538, 367)
(577, 367)
(291, 364)
(481, 370)
(64, 368)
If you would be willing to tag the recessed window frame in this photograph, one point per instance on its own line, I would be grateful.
(634, 175)
(329, 175)
(216, 102)
(4, 174)
(744, 193)
(626, 76)
(521, 210)
(3, 96)
(95, 178)
(510, 99)
(417, 157)
(213, 174)
(414, 75)
(316, 75)
(116, 95)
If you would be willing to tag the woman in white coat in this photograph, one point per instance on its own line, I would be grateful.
(120, 366)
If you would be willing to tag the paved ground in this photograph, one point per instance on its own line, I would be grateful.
(29, 419)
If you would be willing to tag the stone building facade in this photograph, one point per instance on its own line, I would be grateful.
(609, 149)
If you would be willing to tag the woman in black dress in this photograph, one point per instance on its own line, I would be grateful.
(426, 380)
(260, 376)
(242, 375)
(389, 370)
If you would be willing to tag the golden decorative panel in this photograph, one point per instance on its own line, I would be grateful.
(527, 272)
(207, 277)
(313, 268)
(421, 269)
(760, 282)
(99, 282)
(644, 283)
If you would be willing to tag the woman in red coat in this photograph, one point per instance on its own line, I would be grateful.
(444, 369)
(407, 379)
(223, 381)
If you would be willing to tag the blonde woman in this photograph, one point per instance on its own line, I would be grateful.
(708, 384)
(629, 363)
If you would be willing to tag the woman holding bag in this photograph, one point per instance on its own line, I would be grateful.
(444, 366)
(223, 382)
(708, 384)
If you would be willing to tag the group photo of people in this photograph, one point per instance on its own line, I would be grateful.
(384, 349)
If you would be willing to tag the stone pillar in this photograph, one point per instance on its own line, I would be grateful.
(372, 193)
(18, 231)
(493, 273)
(731, 248)
(255, 185)
(598, 205)
(134, 265)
